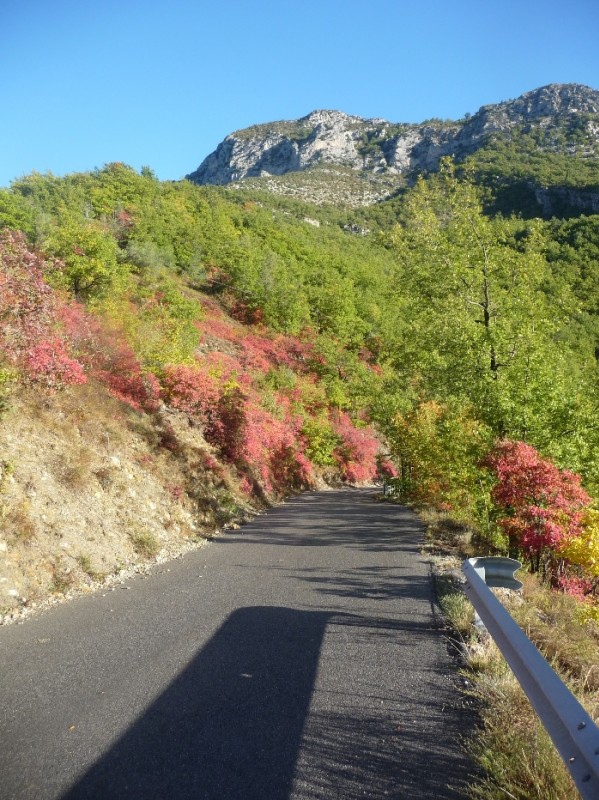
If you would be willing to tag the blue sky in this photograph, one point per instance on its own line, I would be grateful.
(162, 83)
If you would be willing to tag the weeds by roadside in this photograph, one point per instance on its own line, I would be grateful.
(517, 757)
(144, 543)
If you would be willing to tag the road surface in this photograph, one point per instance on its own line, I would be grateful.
(298, 658)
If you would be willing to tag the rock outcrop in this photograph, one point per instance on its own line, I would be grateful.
(378, 147)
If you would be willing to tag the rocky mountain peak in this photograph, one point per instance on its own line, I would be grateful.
(377, 147)
(328, 118)
(556, 99)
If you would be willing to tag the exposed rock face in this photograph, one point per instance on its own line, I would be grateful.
(274, 149)
(377, 146)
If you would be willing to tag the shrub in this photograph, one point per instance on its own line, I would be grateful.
(47, 362)
(29, 312)
(191, 389)
(356, 455)
(89, 255)
(144, 543)
(542, 506)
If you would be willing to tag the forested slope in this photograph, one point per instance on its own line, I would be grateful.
(425, 338)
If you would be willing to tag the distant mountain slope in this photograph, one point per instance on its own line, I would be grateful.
(555, 121)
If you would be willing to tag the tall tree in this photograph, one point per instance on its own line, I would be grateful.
(476, 322)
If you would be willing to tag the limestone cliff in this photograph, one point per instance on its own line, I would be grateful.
(376, 147)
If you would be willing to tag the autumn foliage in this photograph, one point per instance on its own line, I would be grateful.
(541, 506)
(257, 401)
(253, 392)
(31, 337)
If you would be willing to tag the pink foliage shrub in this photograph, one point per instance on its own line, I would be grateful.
(224, 392)
(387, 468)
(47, 362)
(542, 505)
(357, 453)
(580, 588)
(262, 353)
(31, 336)
(109, 358)
(191, 389)
(120, 370)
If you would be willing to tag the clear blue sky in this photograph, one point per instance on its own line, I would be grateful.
(161, 83)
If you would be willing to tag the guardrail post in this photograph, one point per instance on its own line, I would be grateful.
(570, 727)
(496, 571)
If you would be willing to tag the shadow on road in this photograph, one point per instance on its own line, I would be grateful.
(237, 722)
(234, 725)
(230, 725)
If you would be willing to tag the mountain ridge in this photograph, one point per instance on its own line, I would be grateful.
(398, 151)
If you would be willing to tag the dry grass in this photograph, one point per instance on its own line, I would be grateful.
(87, 566)
(63, 578)
(144, 543)
(512, 746)
(554, 622)
(455, 606)
(446, 535)
(76, 473)
(18, 524)
(516, 754)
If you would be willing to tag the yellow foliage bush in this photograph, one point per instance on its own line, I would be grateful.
(583, 550)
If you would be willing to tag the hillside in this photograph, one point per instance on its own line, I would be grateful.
(175, 358)
(138, 417)
(546, 138)
(239, 345)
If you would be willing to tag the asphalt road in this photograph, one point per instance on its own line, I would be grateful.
(298, 658)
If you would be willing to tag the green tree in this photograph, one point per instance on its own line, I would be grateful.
(477, 324)
(16, 213)
(90, 257)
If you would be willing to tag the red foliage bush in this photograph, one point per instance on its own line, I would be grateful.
(543, 505)
(192, 390)
(575, 586)
(30, 335)
(224, 392)
(225, 427)
(387, 468)
(109, 358)
(47, 362)
(357, 453)
(247, 314)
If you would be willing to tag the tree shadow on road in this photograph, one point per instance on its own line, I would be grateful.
(333, 519)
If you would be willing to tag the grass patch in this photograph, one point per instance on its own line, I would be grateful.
(144, 543)
(554, 622)
(62, 578)
(76, 473)
(18, 523)
(454, 604)
(512, 746)
(446, 535)
(86, 565)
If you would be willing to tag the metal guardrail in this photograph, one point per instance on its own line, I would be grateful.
(570, 727)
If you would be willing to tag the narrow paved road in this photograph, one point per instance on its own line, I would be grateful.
(298, 658)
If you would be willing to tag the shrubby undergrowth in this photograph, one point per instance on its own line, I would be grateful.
(434, 350)
(255, 394)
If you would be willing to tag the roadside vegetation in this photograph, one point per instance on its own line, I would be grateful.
(179, 356)
(509, 743)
